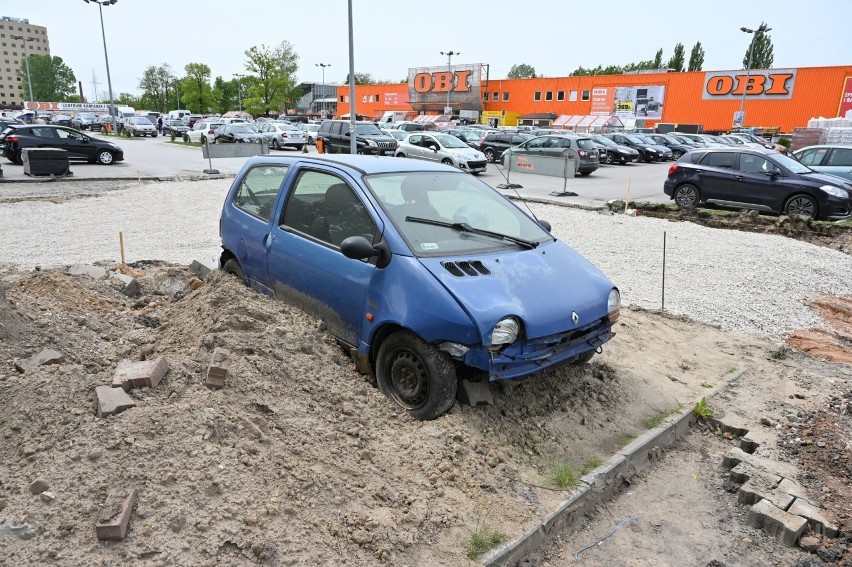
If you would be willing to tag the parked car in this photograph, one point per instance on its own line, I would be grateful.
(647, 153)
(203, 131)
(415, 126)
(470, 137)
(686, 141)
(738, 141)
(85, 121)
(279, 135)
(616, 153)
(138, 126)
(179, 127)
(495, 143)
(754, 139)
(678, 148)
(580, 148)
(440, 147)
(760, 179)
(703, 139)
(192, 119)
(360, 242)
(833, 159)
(398, 135)
(79, 146)
(236, 133)
(369, 138)
(666, 152)
(310, 131)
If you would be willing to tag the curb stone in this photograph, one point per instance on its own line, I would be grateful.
(602, 483)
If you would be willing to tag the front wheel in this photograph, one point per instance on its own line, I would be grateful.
(801, 206)
(447, 161)
(203, 140)
(416, 375)
(609, 158)
(186, 138)
(676, 155)
(105, 157)
(686, 196)
(232, 266)
(489, 155)
(276, 145)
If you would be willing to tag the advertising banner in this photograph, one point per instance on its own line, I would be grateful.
(602, 101)
(67, 106)
(395, 98)
(428, 87)
(846, 99)
(757, 83)
(640, 102)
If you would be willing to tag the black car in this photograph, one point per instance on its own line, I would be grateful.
(495, 143)
(179, 127)
(756, 178)
(237, 132)
(466, 135)
(616, 153)
(677, 148)
(80, 146)
(647, 153)
(369, 139)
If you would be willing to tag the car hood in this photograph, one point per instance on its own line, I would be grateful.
(828, 179)
(627, 150)
(543, 287)
(467, 152)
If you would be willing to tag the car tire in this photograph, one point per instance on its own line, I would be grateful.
(609, 158)
(416, 375)
(105, 157)
(648, 159)
(687, 196)
(17, 158)
(276, 145)
(401, 155)
(489, 154)
(186, 138)
(585, 173)
(801, 205)
(448, 161)
(154, 135)
(203, 140)
(676, 155)
(232, 266)
(299, 147)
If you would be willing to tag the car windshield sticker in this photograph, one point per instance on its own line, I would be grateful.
(428, 246)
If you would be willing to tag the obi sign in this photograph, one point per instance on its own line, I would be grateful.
(428, 87)
(770, 84)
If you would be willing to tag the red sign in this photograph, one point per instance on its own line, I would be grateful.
(602, 101)
(846, 98)
(774, 84)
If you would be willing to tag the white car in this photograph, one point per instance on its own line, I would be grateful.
(280, 135)
(140, 126)
(443, 148)
(202, 131)
(310, 131)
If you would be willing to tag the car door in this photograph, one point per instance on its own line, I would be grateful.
(532, 147)
(413, 147)
(305, 264)
(78, 145)
(757, 181)
(838, 162)
(717, 176)
(430, 148)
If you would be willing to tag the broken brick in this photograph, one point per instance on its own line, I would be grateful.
(144, 374)
(109, 401)
(218, 369)
(46, 356)
(114, 517)
(817, 521)
(776, 522)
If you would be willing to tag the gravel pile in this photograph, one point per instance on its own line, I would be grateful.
(741, 281)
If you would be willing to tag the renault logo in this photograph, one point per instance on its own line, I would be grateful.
(574, 317)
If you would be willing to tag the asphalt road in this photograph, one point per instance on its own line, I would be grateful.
(159, 158)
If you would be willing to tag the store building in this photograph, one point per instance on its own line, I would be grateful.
(12, 86)
(772, 98)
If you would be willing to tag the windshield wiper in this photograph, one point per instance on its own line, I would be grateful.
(464, 227)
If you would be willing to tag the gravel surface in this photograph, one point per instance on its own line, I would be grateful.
(739, 280)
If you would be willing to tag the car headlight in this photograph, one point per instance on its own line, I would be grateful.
(505, 332)
(613, 305)
(834, 191)
(371, 143)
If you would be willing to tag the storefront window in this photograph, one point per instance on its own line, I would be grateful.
(585, 95)
(560, 95)
(537, 96)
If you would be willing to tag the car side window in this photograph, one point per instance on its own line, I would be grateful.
(326, 208)
(258, 189)
(720, 159)
(68, 135)
(840, 156)
(42, 132)
(813, 157)
(751, 163)
(536, 143)
(415, 139)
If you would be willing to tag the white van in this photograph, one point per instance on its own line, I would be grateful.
(179, 115)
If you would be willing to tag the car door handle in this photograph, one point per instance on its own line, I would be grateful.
(738, 177)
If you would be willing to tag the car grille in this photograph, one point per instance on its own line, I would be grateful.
(386, 144)
(460, 269)
(476, 164)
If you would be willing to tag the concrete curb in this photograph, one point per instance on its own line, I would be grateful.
(603, 483)
(46, 179)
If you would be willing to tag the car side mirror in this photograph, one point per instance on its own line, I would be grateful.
(773, 175)
(544, 224)
(358, 248)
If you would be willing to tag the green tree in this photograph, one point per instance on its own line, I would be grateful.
(274, 76)
(226, 95)
(677, 60)
(156, 84)
(522, 71)
(763, 56)
(195, 88)
(361, 79)
(52, 79)
(658, 59)
(696, 57)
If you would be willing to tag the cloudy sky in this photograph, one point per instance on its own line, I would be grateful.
(554, 36)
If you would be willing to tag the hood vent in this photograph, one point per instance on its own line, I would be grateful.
(460, 269)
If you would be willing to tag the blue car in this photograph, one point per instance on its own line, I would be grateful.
(426, 275)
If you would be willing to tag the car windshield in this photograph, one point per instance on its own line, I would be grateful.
(644, 140)
(604, 141)
(451, 198)
(312, 128)
(669, 140)
(86, 115)
(450, 141)
(792, 164)
(367, 130)
(141, 121)
(633, 139)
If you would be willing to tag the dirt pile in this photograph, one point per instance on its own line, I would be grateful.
(834, 345)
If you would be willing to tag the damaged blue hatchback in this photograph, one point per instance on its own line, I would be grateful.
(427, 275)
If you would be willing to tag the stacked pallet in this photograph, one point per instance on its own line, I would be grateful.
(803, 137)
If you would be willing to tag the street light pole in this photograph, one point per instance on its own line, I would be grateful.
(239, 89)
(449, 55)
(112, 111)
(761, 29)
(27, 60)
(322, 91)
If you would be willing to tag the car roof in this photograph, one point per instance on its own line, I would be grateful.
(363, 163)
(844, 146)
(738, 149)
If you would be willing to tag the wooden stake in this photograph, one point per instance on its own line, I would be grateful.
(121, 246)
(627, 200)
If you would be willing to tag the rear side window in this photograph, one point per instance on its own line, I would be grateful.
(751, 163)
(720, 159)
(692, 157)
(840, 156)
(586, 144)
(258, 189)
(813, 157)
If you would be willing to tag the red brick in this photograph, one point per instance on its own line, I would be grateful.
(144, 374)
(218, 369)
(47, 356)
(115, 514)
(109, 401)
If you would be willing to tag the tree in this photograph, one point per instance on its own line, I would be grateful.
(226, 95)
(52, 79)
(763, 56)
(156, 83)
(696, 57)
(195, 88)
(676, 62)
(361, 79)
(274, 75)
(658, 59)
(522, 71)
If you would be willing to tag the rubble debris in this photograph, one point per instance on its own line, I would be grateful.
(218, 369)
(46, 356)
(142, 374)
(115, 515)
(109, 401)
